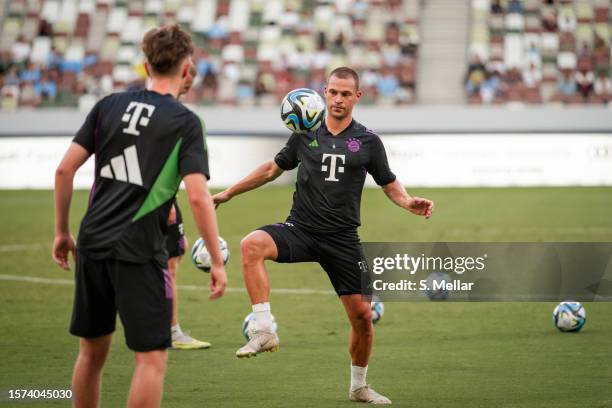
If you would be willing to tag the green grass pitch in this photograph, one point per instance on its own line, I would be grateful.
(426, 354)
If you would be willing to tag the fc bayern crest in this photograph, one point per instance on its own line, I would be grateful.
(353, 144)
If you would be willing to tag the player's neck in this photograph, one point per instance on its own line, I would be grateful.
(336, 126)
(164, 86)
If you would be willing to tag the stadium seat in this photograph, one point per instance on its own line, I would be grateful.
(204, 18)
(50, 11)
(117, 20)
(97, 30)
(239, 15)
(41, 47)
(127, 54)
(133, 31)
(272, 12)
(566, 60)
(67, 18)
(10, 31)
(87, 6)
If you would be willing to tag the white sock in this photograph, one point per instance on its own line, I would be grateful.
(176, 331)
(263, 317)
(358, 376)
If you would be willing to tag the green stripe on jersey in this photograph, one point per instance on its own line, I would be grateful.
(165, 185)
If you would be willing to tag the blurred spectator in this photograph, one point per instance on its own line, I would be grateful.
(31, 74)
(391, 50)
(373, 57)
(513, 79)
(321, 57)
(603, 85)
(12, 77)
(532, 76)
(317, 80)
(496, 65)
(283, 83)
(584, 81)
(369, 81)
(490, 87)
(475, 75)
(549, 22)
(566, 84)
(392, 34)
(264, 82)
(46, 88)
(9, 97)
(532, 54)
(45, 29)
(599, 43)
(515, 6)
(28, 95)
(55, 59)
(338, 46)
(566, 20)
(407, 75)
(496, 7)
(388, 84)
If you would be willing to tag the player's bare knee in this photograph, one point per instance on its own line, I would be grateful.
(252, 249)
(155, 359)
(93, 356)
(362, 321)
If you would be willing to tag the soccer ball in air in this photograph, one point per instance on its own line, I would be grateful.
(437, 293)
(569, 316)
(378, 309)
(201, 258)
(249, 325)
(302, 110)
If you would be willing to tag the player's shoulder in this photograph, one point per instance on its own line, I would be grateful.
(107, 100)
(193, 118)
(361, 131)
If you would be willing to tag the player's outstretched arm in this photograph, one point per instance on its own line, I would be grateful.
(257, 178)
(205, 218)
(64, 177)
(416, 205)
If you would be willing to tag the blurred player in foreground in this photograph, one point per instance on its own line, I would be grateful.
(322, 225)
(144, 143)
(176, 244)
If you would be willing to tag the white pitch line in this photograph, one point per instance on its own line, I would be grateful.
(70, 282)
(20, 247)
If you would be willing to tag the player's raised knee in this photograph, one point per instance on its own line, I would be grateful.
(362, 320)
(364, 316)
(252, 247)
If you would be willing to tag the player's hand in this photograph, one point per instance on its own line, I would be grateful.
(220, 198)
(62, 245)
(218, 282)
(421, 206)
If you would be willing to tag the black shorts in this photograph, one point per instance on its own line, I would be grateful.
(339, 254)
(140, 292)
(175, 241)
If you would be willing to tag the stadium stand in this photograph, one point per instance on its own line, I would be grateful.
(534, 51)
(249, 52)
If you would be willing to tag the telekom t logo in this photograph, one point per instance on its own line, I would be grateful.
(332, 168)
(137, 113)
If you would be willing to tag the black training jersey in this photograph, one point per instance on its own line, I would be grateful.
(144, 143)
(331, 173)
